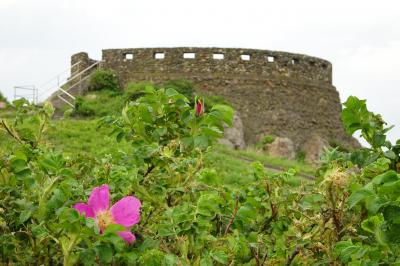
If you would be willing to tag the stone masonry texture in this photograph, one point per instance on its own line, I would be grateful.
(276, 93)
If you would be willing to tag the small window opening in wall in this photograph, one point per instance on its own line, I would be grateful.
(189, 55)
(270, 59)
(159, 55)
(295, 61)
(218, 56)
(245, 57)
(128, 56)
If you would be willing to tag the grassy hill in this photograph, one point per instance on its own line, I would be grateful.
(80, 134)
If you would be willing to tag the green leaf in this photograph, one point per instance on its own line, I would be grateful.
(246, 214)
(392, 214)
(390, 190)
(379, 140)
(354, 114)
(358, 196)
(206, 261)
(219, 256)
(372, 224)
(201, 141)
(390, 154)
(171, 92)
(171, 260)
(20, 167)
(152, 257)
(165, 230)
(88, 257)
(114, 228)
(373, 204)
(208, 204)
(48, 109)
(345, 249)
(226, 112)
(24, 216)
(39, 231)
(388, 176)
(183, 213)
(105, 253)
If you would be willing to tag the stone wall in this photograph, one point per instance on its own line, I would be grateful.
(276, 93)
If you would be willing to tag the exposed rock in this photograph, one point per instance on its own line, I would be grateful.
(91, 96)
(281, 147)
(313, 148)
(233, 136)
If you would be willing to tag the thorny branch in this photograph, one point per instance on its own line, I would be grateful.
(292, 256)
(235, 210)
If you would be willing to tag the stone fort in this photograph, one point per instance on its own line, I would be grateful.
(275, 93)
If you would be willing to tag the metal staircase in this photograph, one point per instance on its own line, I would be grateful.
(62, 86)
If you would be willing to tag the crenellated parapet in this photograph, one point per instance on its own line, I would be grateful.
(218, 61)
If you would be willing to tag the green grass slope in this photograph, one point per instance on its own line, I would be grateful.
(83, 136)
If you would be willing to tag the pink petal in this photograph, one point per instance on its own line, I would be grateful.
(127, 236)
(126, 211)
(99, 200)
(84, 210)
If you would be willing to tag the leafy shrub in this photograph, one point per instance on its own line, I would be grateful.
(3, 98)
(300, 156)
(267, 139)
(103, 79)
(136, 90)
(82, 108)
(348, 215)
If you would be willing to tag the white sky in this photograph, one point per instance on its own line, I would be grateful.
(360, 37)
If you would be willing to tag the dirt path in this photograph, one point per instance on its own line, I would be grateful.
(276, 168)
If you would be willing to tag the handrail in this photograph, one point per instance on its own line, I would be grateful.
(57, 77)
(59, 84)
(33, 95)
(67, 93)
(77, 83)
(89, 67)
(64, 100)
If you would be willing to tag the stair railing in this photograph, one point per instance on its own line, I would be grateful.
(58, 86)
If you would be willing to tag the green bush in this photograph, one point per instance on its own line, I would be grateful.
(3, 98)
(82, 108)
(267, 139)
(300, 156)
(103, 79)
(136, 90)
(348, 215)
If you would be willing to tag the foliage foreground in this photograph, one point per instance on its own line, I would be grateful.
(188, 216)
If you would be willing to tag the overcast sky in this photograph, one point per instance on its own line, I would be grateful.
(360, 37)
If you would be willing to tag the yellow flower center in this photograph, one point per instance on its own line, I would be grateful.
(104, 219)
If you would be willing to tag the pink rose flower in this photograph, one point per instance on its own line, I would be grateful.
(199, 107)
(125, 212)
